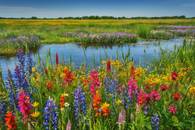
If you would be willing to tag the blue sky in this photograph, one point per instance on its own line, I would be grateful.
(64, 8)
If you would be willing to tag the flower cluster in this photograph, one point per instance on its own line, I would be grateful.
(24, 105)
(68, 76)
(50, 115)
(10, 121)
(79, 102)
(95, 82)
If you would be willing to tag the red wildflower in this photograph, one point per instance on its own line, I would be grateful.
(49, 85)
(176, 96)
(132, 86)
(108, 66)
(154, 95)
(62, 101)
(10, 121)
(172, 109)
(132, 71)
(142, 98)
(95, 82)
(68, 76)
(46, 71)
(174, 75)
(164, 87)
(57, 59)
(24, 104)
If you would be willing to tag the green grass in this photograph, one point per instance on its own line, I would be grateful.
(51, 31)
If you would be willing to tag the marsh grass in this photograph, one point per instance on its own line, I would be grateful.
(52, 31)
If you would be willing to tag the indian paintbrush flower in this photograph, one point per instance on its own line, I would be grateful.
(10, 121)
(24, 105)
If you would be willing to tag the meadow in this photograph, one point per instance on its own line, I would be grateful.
(117, 94)
(48, 31)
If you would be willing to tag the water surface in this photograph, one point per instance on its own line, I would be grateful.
(142, 53)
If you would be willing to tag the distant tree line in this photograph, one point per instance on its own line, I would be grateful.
(106, 17)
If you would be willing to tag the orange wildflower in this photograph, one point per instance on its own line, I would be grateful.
(10, 121)
(49, 85)
(105, 109)
(96, 103)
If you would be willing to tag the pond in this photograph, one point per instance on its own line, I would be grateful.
(142, 53)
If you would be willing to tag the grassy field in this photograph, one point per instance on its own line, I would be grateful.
(54, 30)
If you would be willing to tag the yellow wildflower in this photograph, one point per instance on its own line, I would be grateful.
(192, 90)
(118, 102)
(35, 104)
(33, 69)
(35, 114)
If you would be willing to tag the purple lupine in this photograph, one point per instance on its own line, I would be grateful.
(3, 109)
(146, 109)
(155, 122)
(29, 63)
(50, 115)
(79, 103)
(12, 90)
(110, 85)
(126, 100)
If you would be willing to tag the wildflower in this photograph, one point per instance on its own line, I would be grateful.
(121, 117)
(126, 99)
(154, 95)
(50, 113)
(132, 87)
(192, 90)
(118, 102)
(49, 85)
(68, 76)
(11, 87)
(3, 109)
(66, 104)
(62, 101)
(10, 121)
(35, 104)
(142, 97)
(164, 87)
(96, 103)
(146, 109)
(172, 109)
(35, 114)
(108, 66)
(94, 81)
(33, 69)
(110, 85)
(57, 59)
(155, 122)
(132, 71)
(105, 109)
(174, 75)
(24, 105)
(176, 96)
(79, 102)
(29, 64)
(69, 125)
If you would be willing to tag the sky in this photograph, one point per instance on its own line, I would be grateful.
(66, 8)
